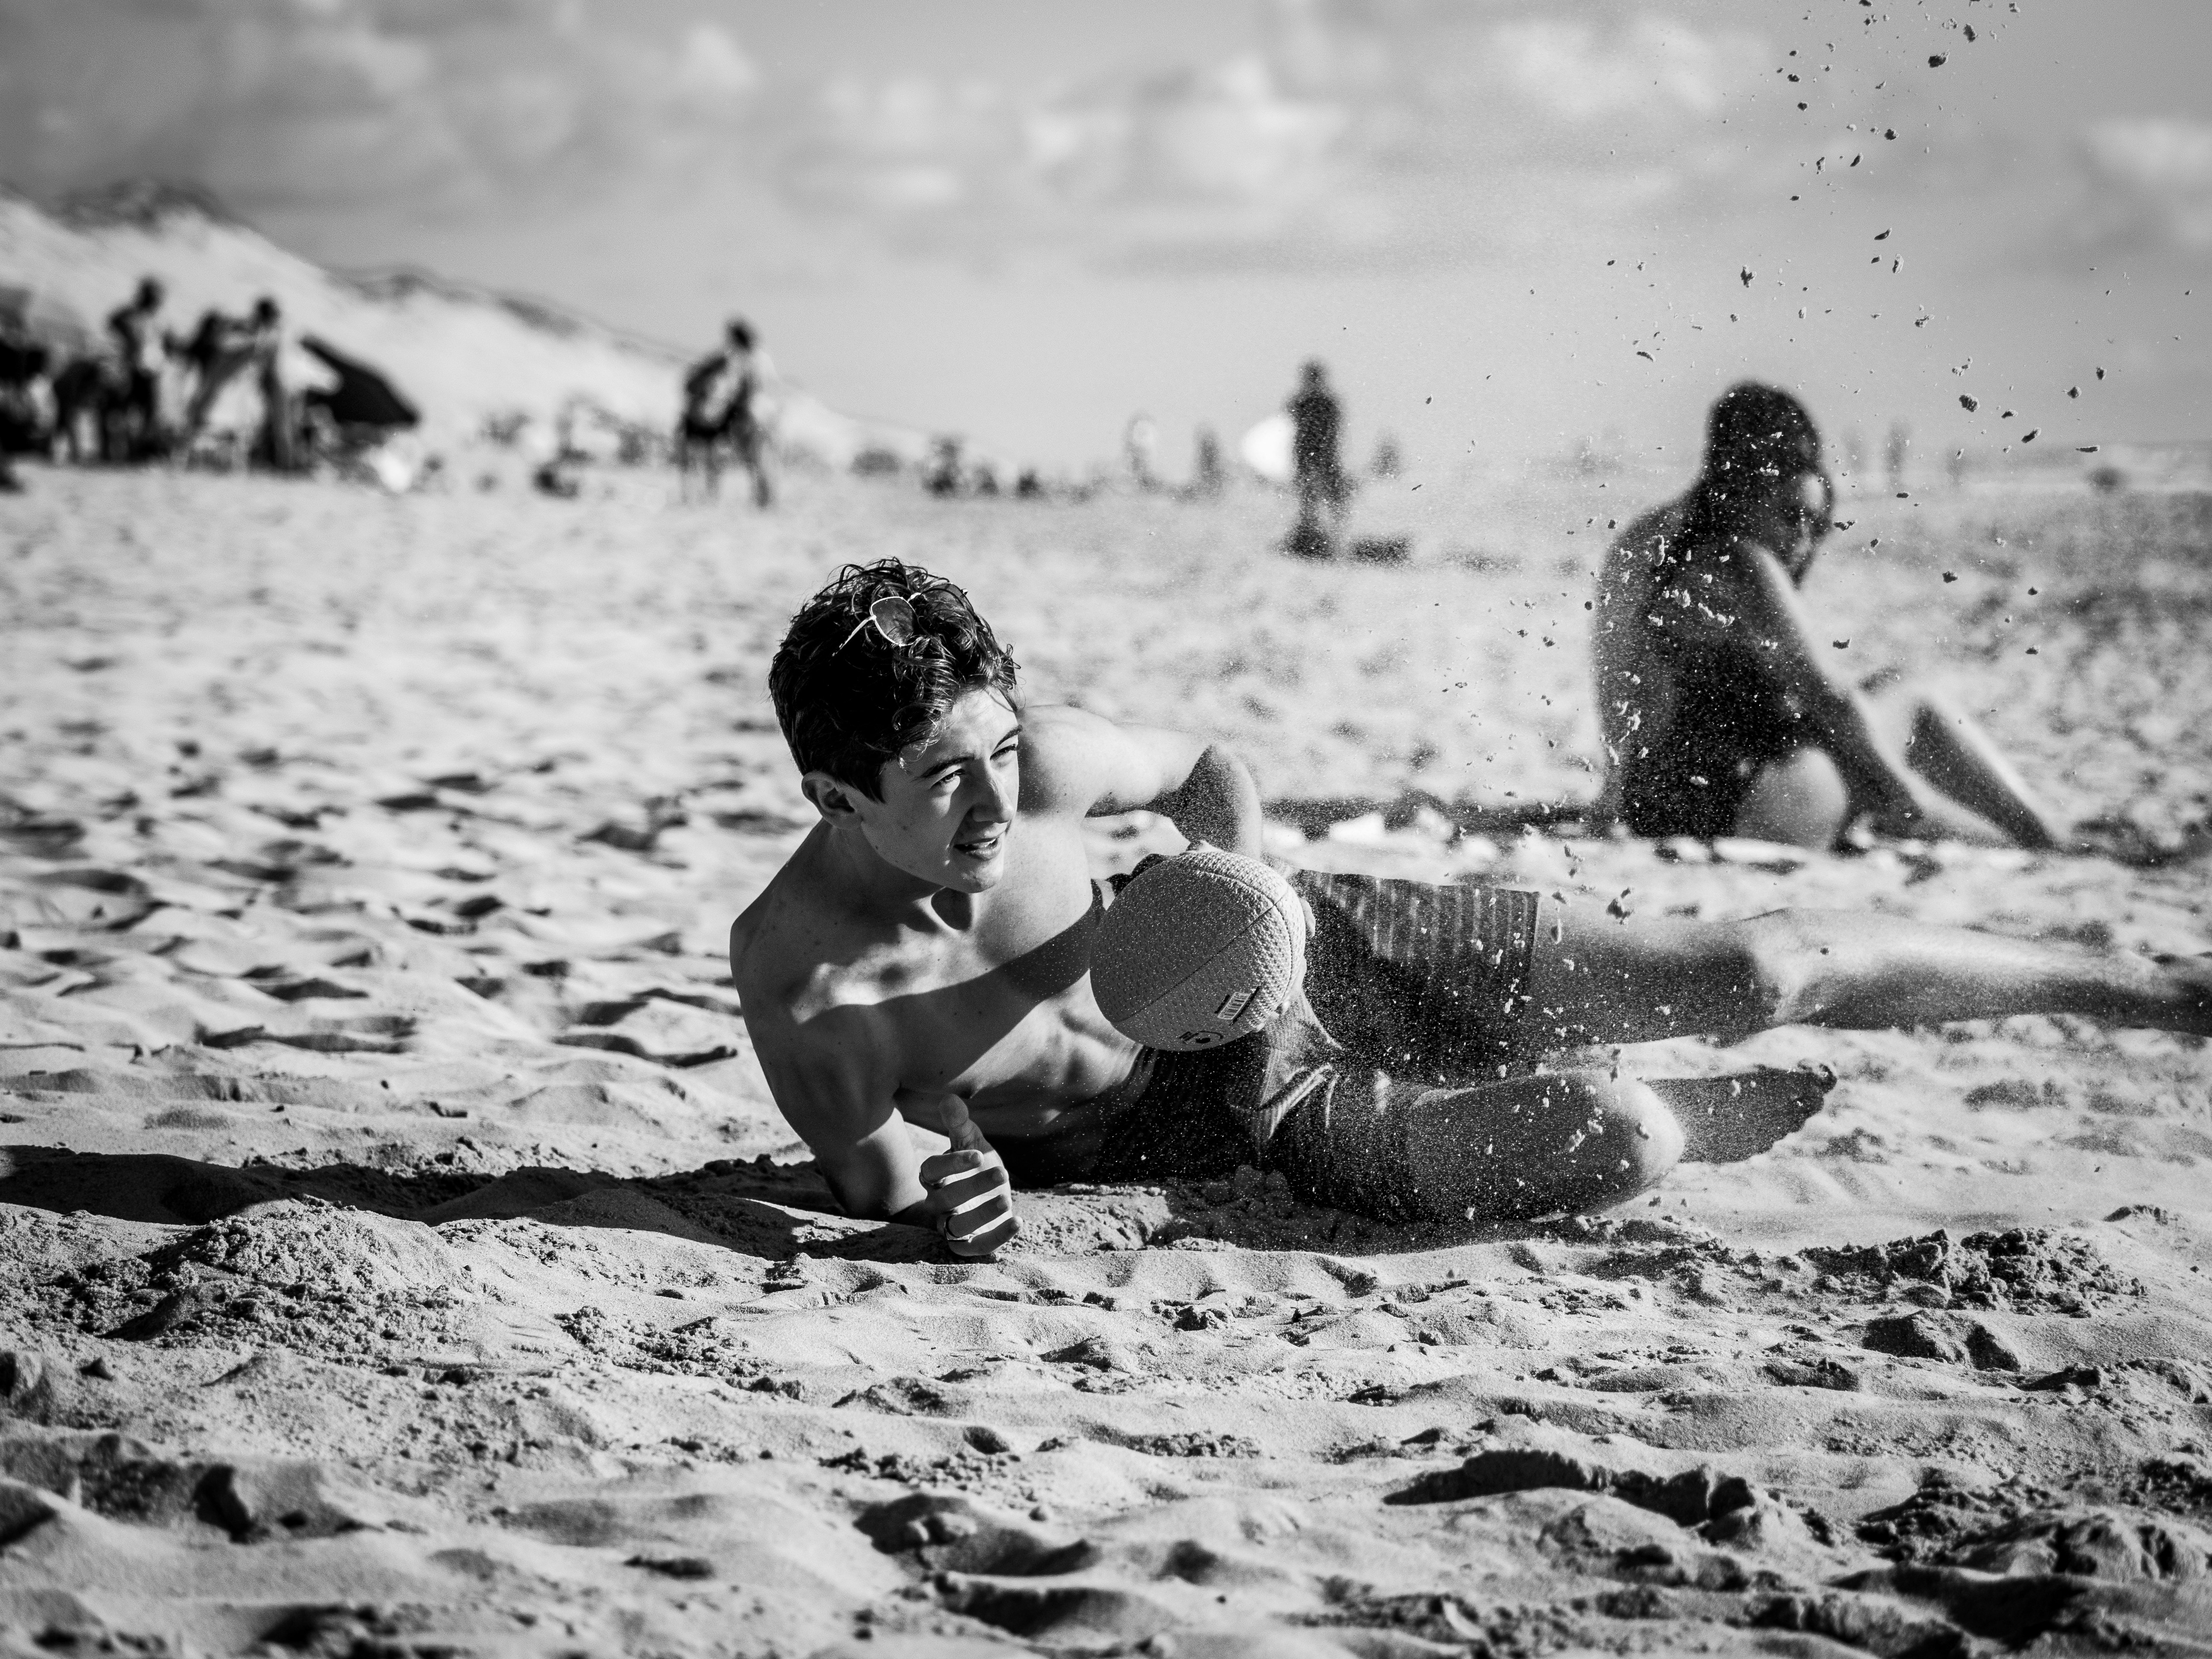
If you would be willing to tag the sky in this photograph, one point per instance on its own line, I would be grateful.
(1508, 227)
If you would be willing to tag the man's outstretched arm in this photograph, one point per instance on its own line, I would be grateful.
(1072, 757)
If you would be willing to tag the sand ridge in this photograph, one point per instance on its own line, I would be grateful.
(406, 1257)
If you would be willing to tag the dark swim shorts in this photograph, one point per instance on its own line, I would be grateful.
(1731, 723)
(1405, 983)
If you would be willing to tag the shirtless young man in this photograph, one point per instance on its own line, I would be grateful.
(917, 976)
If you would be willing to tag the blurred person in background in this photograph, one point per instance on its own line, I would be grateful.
(1140, 451)
(1316, 469)
(1721, 717)
(26, 398)
(231, 351)
(276, 444)
(137, 410)
(725, 404)
(1207, 478)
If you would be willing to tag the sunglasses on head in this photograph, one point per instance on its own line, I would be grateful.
(893, 616)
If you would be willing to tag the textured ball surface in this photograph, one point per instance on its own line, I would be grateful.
(1197, 950)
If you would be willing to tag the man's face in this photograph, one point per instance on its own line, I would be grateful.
(1791, 518)
(1806, 509)
(948, 804)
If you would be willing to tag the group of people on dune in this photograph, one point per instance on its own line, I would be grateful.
(915, 978)
(146, 392)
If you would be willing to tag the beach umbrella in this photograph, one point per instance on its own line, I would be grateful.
(1267, 449)
(362, 396)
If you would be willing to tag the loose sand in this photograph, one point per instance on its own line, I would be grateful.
(401, 1254)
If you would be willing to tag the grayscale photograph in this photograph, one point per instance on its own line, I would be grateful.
(1201, 828)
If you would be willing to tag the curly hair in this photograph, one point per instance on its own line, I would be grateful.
(1755, 436)
(849, 700)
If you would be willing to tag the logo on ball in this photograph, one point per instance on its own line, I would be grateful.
(1233, 1004)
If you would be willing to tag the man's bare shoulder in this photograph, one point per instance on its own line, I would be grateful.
(787, 946)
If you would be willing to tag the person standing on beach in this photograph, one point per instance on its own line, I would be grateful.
(1316, 469)
(916, 978)
(224, 349)
(723, 404)
(1719, 715)
(135, 329)
(1207, 479)
(1140, 451)
(277, 443)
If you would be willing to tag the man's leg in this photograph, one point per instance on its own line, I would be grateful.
(138, 409)
(752, 448)
(1595, 979)
(1419, 985)
(1496, 1151)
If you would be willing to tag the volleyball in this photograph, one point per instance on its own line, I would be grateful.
(1197, 950)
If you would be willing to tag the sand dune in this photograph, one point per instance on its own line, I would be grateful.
(465, 356)
(404, 1256)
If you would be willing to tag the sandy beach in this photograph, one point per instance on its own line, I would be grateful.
(400, 1254)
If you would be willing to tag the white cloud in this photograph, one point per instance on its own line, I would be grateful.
(1654, 69)
(2154, 180)
(1343, 130)
(1346, 131)
(1231, 135)
(325, 101)
(2165, 156)
(712, 64)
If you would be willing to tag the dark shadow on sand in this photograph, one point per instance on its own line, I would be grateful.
(1314, 816)
(772, 1211)
(756, 1208)
(769, 1211)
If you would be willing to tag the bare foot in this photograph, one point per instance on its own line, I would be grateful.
(1728, 1119)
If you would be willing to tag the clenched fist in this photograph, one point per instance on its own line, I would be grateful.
(971, 1201)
